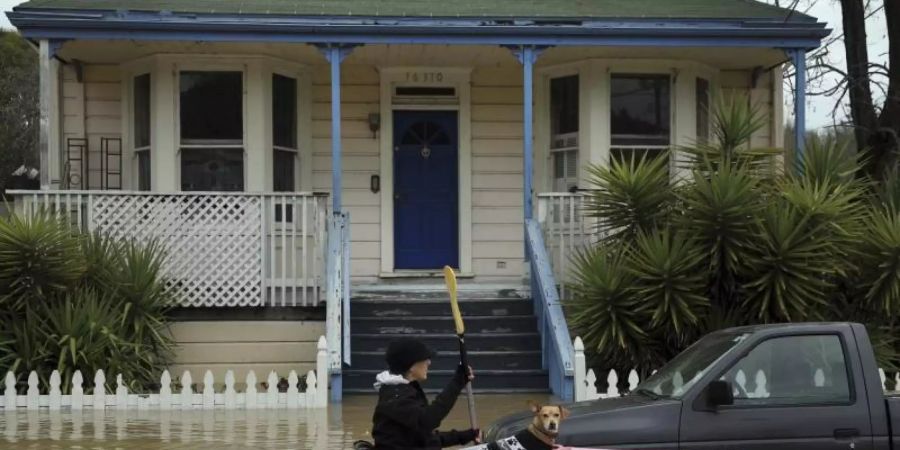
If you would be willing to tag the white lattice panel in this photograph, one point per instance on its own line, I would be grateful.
(213, 243)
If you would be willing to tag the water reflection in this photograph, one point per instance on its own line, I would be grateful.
(334, 428)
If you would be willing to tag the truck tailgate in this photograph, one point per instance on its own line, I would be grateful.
(893, 406)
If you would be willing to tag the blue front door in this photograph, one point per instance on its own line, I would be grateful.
(426, 177)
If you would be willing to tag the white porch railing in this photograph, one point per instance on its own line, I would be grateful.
(586, 381)
(222, 249)
(314, 396)
(566, 231)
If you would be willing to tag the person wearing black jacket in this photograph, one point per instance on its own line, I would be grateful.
(403, 419)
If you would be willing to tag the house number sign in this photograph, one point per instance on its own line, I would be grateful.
(425, 77)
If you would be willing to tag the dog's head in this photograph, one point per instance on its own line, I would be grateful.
(547, 418)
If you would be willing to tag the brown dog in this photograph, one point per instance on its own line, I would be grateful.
(541, 433)
(547, 419)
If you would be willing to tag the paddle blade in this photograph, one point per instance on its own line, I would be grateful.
(450, 280)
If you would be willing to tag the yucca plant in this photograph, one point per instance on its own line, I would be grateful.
(84, 332)
(39, 255)
(102, 258)
(81, 302)
(736, 243)
(721, 212)
(604, 311)
(145, 300)
(27, 348)
(789, 269)
(735, 120)
(880, 262)
(633, 195)
(669, 281)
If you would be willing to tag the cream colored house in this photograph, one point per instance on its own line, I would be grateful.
(212, 125)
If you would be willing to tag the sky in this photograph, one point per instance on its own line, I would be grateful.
(819, 109)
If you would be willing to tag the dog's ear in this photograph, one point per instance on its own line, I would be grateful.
(534, 406)
(563, 412)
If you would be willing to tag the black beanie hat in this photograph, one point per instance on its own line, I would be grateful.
(403, 353)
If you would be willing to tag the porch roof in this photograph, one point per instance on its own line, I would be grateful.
(683, 9)
(721, 23)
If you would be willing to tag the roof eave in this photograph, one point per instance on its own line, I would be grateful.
(93, 24)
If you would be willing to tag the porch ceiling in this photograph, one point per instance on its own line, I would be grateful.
(116, 52)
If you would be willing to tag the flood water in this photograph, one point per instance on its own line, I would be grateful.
(335, 428)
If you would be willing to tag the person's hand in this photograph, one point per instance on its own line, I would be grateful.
(464, 376)
(480, 438)
(470, 435)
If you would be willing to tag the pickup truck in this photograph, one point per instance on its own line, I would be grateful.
(810, 386)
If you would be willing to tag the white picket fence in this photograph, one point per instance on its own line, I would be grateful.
(586, 380)
(315, 396)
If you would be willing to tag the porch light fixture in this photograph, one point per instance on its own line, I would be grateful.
(374, 124)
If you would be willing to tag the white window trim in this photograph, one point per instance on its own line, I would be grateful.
(257, 133)
(544, 167)
(130, 171)
(303, 152)
(213, 66)
(460, 78)
(594, 122)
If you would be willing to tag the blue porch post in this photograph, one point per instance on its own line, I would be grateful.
(527, 55)
(799, 59)
(335, 54)
(528, 59)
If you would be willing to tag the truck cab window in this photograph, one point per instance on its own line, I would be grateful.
(793, 370)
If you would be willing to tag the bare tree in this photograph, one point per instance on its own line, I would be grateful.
(865, 88)
(876, 130)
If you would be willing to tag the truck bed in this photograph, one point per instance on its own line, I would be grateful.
(893, 407)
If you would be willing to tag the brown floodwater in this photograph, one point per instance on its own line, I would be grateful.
(335, 428)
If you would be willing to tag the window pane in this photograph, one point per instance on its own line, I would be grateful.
(284, 111)
(143, 158)
(142, 111)
(220, 169)
(284, 171)
(702, 110)
(676, 377)
(564, 105)
(565, 170)
(212, 108)
(790, 371)
(640, 109)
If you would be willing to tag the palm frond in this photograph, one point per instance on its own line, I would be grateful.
(631, 196)
(603, 311)
(668, 280)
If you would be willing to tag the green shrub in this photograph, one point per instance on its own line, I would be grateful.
(81, 302)
(735, 243)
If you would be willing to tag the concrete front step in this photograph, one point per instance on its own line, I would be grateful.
(494, 307)
(483, 360)
(486, 381)
(438, 324)
(437, 292)
(448, 342)
(501, 336)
